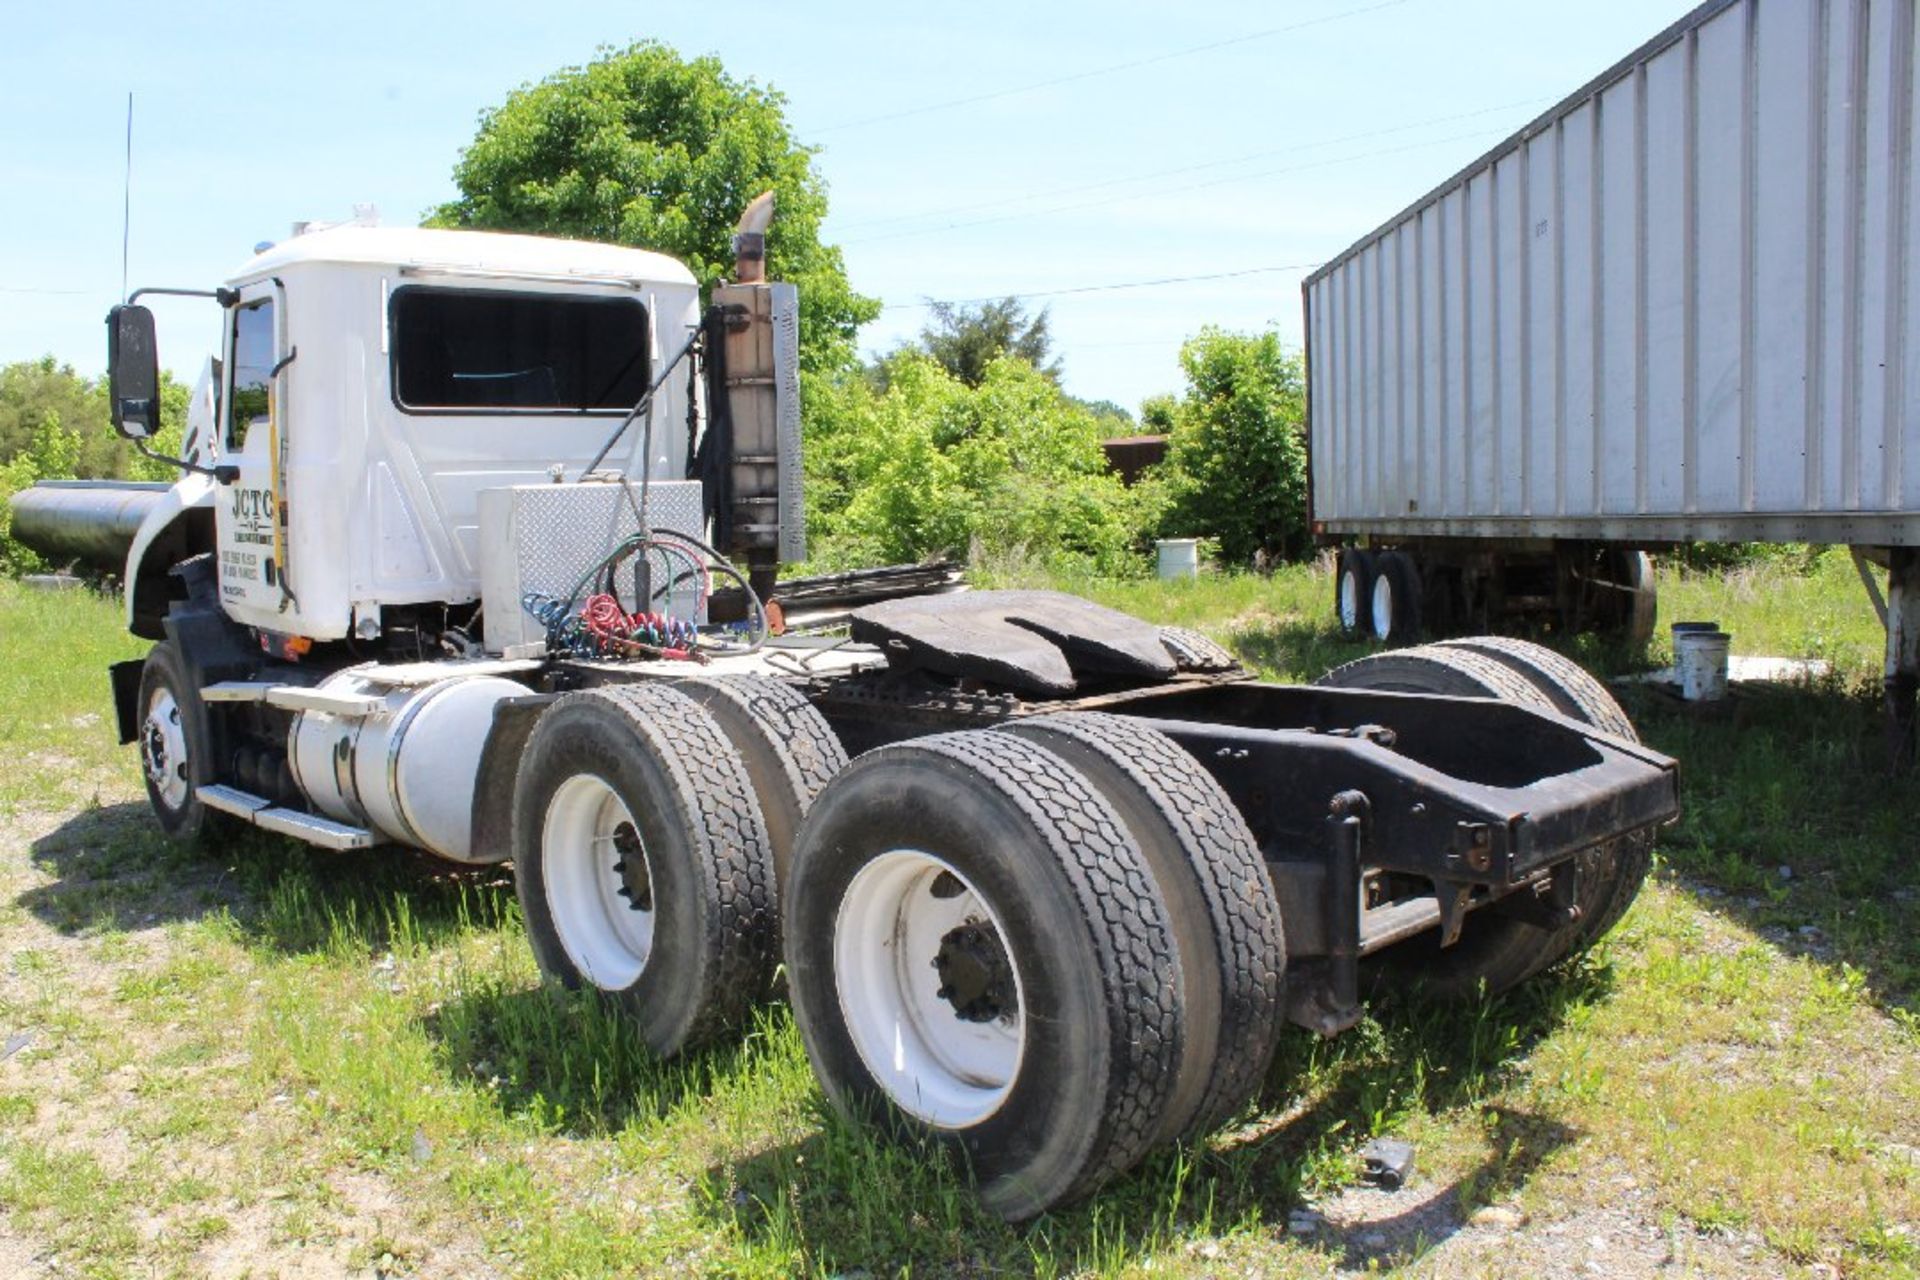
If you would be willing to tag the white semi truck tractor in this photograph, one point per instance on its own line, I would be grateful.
(469, 554)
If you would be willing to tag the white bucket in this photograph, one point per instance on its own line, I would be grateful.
(1701, 658)
(1179, 557)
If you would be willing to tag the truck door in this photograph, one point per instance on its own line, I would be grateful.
(248, 514)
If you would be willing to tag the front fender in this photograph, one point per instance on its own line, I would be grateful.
(179, 526)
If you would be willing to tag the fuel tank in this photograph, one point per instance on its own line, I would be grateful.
(403, 763)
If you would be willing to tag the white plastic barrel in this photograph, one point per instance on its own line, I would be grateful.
(1701, 659)
(1179, 557)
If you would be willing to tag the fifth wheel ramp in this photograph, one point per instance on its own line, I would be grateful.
(1039, 642)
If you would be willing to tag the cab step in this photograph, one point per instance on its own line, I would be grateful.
(294, 697)
(268, 816)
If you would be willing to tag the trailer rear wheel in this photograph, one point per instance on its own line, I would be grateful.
(1493, 950)
(1395, 599)
(1643, 604)
(176, 754)
(976, 946)
(1225, 917)
(642, 862)
(1352, 589)
(790, 750)
(1611, 876)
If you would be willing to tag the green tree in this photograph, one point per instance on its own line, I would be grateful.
(1115, 421)
(51, 453)
(35, 392)
(930, 466)
(1157, 414)
(965, 339)
(641, 147)
(1236, 466)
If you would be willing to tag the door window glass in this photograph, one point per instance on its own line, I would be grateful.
(253, 361)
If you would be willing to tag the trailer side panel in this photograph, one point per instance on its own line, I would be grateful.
(1674, 306)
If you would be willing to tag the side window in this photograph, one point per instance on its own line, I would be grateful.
(491, 351)
(252, 370)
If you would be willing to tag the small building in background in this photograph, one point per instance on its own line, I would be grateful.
(1128, 456)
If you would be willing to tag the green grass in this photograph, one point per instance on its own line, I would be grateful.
(308, 1060)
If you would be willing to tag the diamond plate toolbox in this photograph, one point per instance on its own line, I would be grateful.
(543, 538)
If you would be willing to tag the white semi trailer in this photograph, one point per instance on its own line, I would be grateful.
(448, 568)
(1682, 304)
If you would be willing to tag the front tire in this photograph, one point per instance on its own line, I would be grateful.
(642, 862)
(976, 946)
(176, 747)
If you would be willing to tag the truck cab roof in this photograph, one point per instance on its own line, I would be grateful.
(481, 253)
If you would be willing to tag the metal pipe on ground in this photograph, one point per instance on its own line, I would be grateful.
(91, 522)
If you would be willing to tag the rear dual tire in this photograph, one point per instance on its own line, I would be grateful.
(1496, 952)
(976, 948)
(643, 864)
(1220, 904)
(1611, 876)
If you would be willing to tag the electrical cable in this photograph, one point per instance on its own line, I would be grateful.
(1185, 189)
(1158, 174)
(1104, 288)
(1115, 68)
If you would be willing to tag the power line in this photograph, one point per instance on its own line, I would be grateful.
(1104, 71)
(25, 289)
(1186, 169)
(1101, 288)
(1196, 186)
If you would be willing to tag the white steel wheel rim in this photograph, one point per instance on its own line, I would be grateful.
(163, 748)
(1349, 599)
(934, 1065)
(1382, 607)
(587, 832)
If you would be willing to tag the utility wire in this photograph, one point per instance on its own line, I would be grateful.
(1195, 186)
(1186, 169)
(4, 288)
(1105, 71)
(1101, 288)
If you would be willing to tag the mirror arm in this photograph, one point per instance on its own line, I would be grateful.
(225, 473)
(225, 297)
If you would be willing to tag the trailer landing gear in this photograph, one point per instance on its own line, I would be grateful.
(1903, 654)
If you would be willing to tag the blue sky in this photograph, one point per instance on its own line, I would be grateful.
(971, 150)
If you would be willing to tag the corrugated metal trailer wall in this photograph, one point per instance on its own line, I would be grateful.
(1679, 305)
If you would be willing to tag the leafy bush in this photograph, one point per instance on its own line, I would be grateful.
(1236, 467)
(930, 466)
(1721, 557)
(51, 453)
(54, 425)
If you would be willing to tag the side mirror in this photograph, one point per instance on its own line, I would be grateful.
(133, 372)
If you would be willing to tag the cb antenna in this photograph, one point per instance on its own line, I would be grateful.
(126, 200)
